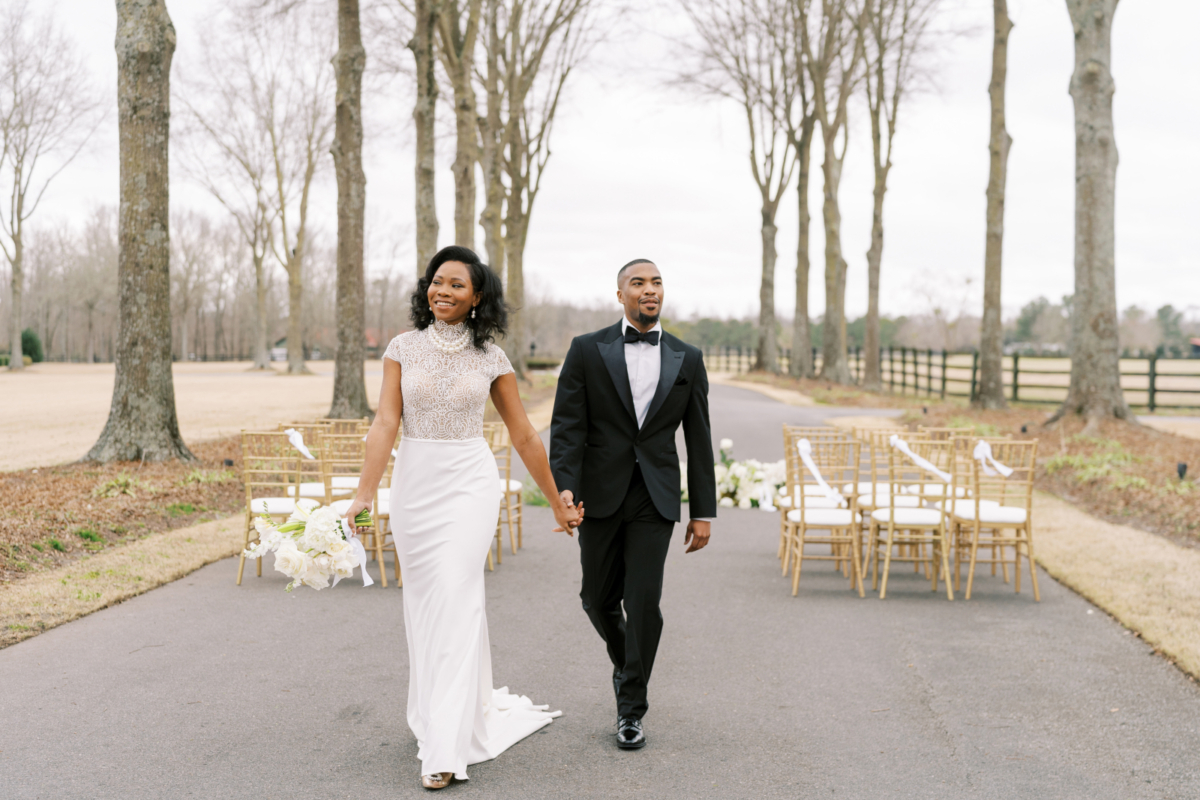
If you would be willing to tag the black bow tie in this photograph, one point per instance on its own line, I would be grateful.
(633, 336)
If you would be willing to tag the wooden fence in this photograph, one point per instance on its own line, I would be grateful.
(1151, 383)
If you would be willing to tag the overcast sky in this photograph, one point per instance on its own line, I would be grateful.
(641, 170)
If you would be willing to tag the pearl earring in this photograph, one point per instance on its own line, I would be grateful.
(472, 312)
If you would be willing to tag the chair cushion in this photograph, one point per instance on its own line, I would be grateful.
(341, 506)
(993, 513)
(908, 516)
(344, 481)
(821, 502)
(882, 500)
(966, 504)
(836, 517)
(864, 487)
(935, 490)
(279, 505)
(512, 486)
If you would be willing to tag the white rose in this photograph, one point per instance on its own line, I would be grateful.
(289, 560)
(726, 444)
(337, 548)
(726, 502)
(745, 503)
(344, 567)
(316, 578)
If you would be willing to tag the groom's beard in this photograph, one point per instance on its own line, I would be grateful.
(647, 319)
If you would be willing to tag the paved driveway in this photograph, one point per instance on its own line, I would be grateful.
(207, 690)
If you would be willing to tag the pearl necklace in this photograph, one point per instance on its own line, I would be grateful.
(447, 345)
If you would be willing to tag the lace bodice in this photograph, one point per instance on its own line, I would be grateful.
(444, 393)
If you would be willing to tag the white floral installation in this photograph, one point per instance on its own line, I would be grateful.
(743, 484)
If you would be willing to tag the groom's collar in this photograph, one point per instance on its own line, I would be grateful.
(626, 325)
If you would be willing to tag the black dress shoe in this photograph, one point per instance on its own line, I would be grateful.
(629, 734)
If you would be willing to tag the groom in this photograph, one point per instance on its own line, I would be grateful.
(622, 394)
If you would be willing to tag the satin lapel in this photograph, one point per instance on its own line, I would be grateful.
(672, 361)
(613, 354)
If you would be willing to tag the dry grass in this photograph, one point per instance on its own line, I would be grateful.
(70, 591)
(1149, 584)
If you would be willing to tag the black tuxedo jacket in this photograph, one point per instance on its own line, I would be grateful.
(594, 436)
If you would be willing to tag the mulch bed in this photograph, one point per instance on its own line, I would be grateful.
(54, 515)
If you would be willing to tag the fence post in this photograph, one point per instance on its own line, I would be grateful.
(943, 373)
(1153, 375)
(892, 369)
(1016, 375)
(929, 372)
(974, 372)
(903, 370)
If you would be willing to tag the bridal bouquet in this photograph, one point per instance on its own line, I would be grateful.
(312, 547)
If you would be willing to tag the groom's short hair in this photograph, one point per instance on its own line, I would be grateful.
(635, 262)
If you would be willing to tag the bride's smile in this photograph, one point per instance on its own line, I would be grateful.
(451, 296)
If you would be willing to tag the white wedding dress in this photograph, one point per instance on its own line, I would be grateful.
(445, 498)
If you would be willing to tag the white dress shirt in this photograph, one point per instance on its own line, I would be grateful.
(643, 362)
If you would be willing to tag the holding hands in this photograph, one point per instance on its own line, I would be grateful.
(567, 513)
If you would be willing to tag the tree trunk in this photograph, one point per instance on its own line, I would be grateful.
(423, 116)
(1095, 389)
(458, 58)
(991, 333)
(492, 218)
(349, 382)
(141, 423)
(295, 324)
(16, 358)
(767, 345)
(517, 341)
(801, 365)
(835, 367)
(262, 354)
(872, 368)
(91, 336)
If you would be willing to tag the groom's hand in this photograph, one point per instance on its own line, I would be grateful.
(568, 497)
(697, 535)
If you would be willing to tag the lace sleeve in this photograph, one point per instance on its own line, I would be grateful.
(500, 363)
(395, 349)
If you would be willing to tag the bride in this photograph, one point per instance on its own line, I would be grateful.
(445, 499)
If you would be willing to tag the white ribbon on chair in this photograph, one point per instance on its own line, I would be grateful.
(297, 440)
(805, 448)
(895, 441)
(983, 454)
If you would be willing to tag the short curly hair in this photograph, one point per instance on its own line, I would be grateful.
(491, 315)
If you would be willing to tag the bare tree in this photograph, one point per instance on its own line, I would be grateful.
(800, 123)
(893, 33)
(991, 335)
(832, 51)
(193, 240)
(537, 44)
(48, 111)
(1095, 388)
(141, 422)
(97, 271)
(739, 58)
(491, 135)
(458, 33)
(425, 23)
(349, 386)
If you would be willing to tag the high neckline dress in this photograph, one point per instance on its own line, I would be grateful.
(445, 499)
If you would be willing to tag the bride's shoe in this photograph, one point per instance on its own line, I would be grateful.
(438, 780)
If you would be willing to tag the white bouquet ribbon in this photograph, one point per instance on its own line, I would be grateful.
(805, 448)
(895, 441)
(983, 454)
(360, 555)
(297, 440)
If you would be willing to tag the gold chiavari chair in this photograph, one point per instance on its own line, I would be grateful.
(834, 519)
(511, 507)
(900, 530)
(270, 473)
(938, 434)
(342, 458)
(791, 433)
(998, 515)
(310, 483)
(348, 426)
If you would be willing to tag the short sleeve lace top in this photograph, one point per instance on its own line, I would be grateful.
(444, 392)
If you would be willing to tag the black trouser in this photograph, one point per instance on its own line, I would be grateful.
(623, 557)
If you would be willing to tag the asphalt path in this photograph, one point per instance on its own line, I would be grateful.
(204, 689)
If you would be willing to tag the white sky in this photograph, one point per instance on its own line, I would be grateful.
(640, 170)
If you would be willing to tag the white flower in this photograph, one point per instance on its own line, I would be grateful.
(322, 529)
(726, 444)
(289, 560)
(745, 503)
(726, 502)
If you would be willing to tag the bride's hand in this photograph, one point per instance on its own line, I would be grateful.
(568, 518)
(352, 512)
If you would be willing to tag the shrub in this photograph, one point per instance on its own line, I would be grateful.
(57, 545)
(88, 534)
(532, 495)
(31, 345)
